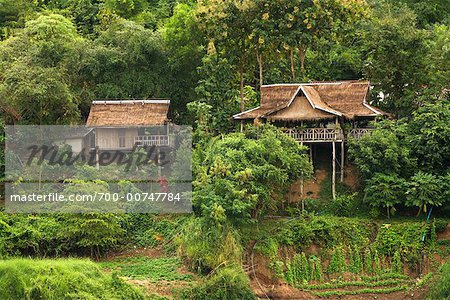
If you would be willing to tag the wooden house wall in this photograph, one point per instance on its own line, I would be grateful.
(108, 138)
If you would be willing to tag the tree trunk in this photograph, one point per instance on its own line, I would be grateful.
(291, 53)
(241, 77)
(302, 57)
(260, 64)
(420, 210)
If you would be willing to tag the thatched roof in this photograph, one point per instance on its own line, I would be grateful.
(119, 113)
(313, 101)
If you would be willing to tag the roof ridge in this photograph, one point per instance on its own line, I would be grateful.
(356, 81)
(133, 101)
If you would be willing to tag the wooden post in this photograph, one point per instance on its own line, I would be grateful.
(97, 164)
(342, 160)
(242, 125)
(302, 187)
(333, 176)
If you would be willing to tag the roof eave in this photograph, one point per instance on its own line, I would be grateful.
(318, 107)
(238, 116)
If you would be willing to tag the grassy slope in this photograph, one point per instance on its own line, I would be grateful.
(60, 279)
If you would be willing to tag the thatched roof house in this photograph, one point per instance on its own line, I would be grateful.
(126, 113)
(313, 101)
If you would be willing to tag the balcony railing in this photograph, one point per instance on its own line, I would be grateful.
(357, 133)
(151, 140)
(316, 134)
(325, 134)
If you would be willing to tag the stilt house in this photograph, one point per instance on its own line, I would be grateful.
(322, 113)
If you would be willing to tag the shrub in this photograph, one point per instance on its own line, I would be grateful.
(376, 262)
(60, 234)
(206, 245)
(298, 271)
(424, 190)
(315, 268)
(397, 264)
(441, 225)
(355, 260)
(228, 283)
(344, 205)
(337, 262)
(60, 279)
(147, 230)
(404, 237)
(368, 261)
(440, 287)
(326, 231)
(384, 190)
(248, 174)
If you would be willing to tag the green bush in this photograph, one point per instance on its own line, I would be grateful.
(441, 225)
(355, 260)
(328, 231)
(60, 279)
(403, 237)
(298, 270)
(148, 230)
(247, 174)
(229, 283)
(344, 205)
(205, 245)
(60, 234)
(397, 264)
(440, 286)
(384, 190)
(337, 262)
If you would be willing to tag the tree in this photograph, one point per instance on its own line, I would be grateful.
(39, 95)
(394, 56)
(429, 133)
(183, 43)
(34, 84)
(423, 190)
(437, 66)
(246, 176)
(126, 61)
(12, 15)
(428, 12)
(304, 22)
(216, 88)
(85, 13)
(383, 151)
(384, 190)
(226, 24)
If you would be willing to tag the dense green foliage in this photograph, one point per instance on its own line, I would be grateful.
(142, 267)
(440, 287)
(59, 234)
(213, 52)
(406, 161)
(357, 246)
(227, 283)
(60, 279)
(210, 57)
(243, 176)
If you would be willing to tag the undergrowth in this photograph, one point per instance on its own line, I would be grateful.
(60, 279)
(361, 291)
(152, 269)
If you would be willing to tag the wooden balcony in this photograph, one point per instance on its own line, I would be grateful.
(357, 133)
(325, 135)
(151, 140)
(316, 135)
